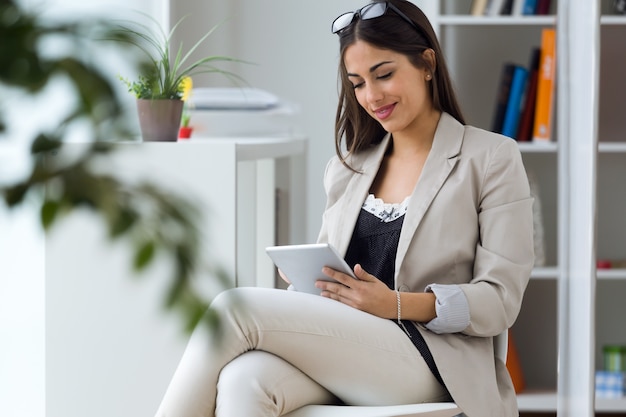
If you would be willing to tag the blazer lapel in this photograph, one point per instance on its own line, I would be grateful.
(357, 190)
(441, 161)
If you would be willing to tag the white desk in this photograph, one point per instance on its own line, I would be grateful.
(110, 346)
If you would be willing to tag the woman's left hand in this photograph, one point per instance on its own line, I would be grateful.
(367, 293)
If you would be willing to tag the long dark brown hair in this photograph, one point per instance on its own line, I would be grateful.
(352, 123)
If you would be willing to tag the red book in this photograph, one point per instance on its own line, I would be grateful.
(543, 7)
(525, 128)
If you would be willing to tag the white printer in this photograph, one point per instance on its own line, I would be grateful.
(239, 112)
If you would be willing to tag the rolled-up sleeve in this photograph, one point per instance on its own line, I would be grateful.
(453, 313)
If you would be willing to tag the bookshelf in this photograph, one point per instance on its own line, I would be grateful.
(569, 172)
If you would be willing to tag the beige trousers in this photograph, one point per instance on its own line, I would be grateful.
(278, 350)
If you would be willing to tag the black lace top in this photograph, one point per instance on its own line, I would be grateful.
(374, 245)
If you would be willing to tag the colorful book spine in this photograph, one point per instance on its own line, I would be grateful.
(507, 8)
(543, 7)
(514, 103)
(514, 365)
(494, 7)
(518, 7)
(544, 106)
(502, 96)
(525, 128)
(478, 7)
(530, 6)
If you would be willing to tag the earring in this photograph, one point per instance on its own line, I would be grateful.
(428, 76)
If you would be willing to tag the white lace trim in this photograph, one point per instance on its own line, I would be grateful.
(385, 211)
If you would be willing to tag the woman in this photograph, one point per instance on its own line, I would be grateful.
(436, 218)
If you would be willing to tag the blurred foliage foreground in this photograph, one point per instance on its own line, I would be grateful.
(155, 222)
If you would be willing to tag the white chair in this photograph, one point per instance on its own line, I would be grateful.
(409, 410)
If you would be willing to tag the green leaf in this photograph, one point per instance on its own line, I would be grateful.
(49, 211)
(195, 311)
(176, 291)
(144, 255)
(96, 94)
(212, 318)
(44, 143)
(122, 222)
(15, 194)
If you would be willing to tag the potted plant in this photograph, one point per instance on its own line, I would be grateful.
(159, 88)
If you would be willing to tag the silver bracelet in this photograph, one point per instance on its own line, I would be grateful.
(400, 314)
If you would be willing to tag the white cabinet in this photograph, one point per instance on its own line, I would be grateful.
(568, 315)
(111, 347)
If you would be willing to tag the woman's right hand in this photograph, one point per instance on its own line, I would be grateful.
(366, 293)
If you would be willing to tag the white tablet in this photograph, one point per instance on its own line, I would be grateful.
(302, 264)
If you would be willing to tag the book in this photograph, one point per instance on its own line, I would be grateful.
(493, 7)
(514, 102)
(514, 365)
(507, 8)
(543, 7)
(478, 7)
(544, 104)
(502, 96)
(529, 8)
(518, 7)
(527, 118)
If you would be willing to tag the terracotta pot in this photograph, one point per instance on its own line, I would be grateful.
(159, 119)
(185, 132)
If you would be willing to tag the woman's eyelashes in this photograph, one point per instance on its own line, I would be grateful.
(358, 85)
(378, 77)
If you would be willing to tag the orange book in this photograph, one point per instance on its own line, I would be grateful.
(542, 130)
(514, 366)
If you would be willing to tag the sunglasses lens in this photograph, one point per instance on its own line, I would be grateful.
(374, 10)
(342, 21)
(371, 11)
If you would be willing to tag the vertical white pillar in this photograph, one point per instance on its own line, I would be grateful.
(246, 224)
(265, 221)
(577, 69)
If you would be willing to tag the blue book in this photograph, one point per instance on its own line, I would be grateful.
(530, 7)
(514, 103)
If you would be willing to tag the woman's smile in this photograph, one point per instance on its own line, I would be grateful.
(384, 112)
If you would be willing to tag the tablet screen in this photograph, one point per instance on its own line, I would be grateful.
(302, 264)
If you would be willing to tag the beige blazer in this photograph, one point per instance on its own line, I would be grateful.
(469, 222)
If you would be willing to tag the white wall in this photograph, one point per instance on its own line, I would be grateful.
(22, 371)
(72, 9)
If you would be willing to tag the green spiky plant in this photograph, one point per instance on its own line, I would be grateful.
(163, 74)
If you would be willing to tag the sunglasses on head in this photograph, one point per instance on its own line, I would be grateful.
(370, 11)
